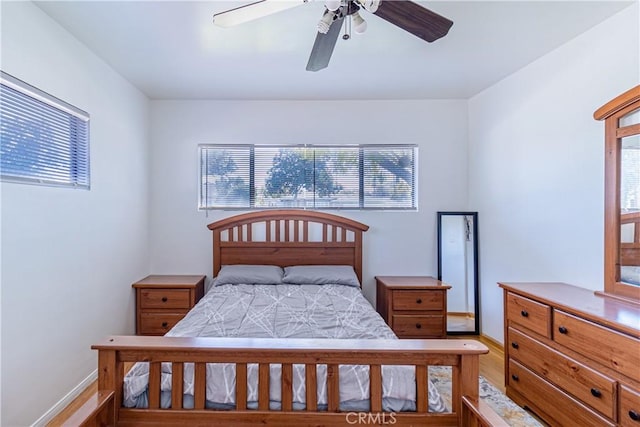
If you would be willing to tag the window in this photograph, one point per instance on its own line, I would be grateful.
(43, 140)
(308, 176)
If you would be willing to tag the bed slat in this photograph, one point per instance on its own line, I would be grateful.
(287, 389)
(333, 388)
(375, 387)
(455, 389)
(422, 396)
(286, 230)
(154, 385)
(344, 235)
(324, 232)
(311, 384)
(296, 230)
(177, 371)
(305, 231)
(241, 386)
(267, 225)
(263, 387)
(200, 385)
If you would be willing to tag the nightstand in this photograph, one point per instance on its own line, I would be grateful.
(413, 306)
(162, 301)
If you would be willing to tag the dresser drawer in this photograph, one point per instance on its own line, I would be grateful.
(629, 407)
(418, 300)
(564, 410)
(612, 349)
(158, 323)
(418, 326)
(596, 390)
(529, 314)
(165, 298)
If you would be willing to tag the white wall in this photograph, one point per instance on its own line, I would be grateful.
(396, 243)
(536, 163)
(69, 256)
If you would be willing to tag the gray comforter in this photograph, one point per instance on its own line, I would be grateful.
(284, 311)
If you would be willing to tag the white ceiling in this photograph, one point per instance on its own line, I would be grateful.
(171, 49)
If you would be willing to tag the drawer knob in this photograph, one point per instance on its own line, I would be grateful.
(164, 299)
(515, 377)
(514, 345)
(165, 324)
(419, 301)
(634, 415)
(562, 330)
(418, 326)
(524, 313)
(595, 392)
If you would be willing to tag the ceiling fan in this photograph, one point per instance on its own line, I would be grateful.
(409, 16)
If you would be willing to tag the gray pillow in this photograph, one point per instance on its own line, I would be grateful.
(321, 275)
(249, 275)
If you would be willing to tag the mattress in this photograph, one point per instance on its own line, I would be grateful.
(284, 311)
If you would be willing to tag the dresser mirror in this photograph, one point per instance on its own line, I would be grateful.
(458, 267)
(630, 210)
(622, 194)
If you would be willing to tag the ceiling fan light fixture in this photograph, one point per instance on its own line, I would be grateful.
(359, 24)
(332, 5)
(326, 21)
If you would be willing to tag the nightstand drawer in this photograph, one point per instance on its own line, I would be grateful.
(165, 298)
(158, 323)
(529, 314)
(418, 300)
(588, 385)
(417, 326)
(610, 348)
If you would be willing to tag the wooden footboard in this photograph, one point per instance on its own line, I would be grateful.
(118, 351)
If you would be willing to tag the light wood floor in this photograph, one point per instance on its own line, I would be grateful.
(491, 367)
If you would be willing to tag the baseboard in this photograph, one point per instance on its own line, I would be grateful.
(492, 342)
(66, 400)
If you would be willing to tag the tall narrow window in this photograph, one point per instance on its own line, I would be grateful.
(308, 176)
(43, 140)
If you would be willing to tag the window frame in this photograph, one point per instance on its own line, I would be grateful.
(361, 177)
(78, 144)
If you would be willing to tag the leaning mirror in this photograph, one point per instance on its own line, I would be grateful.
(458, 267)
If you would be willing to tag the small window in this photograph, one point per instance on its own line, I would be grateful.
(43, 140)
(308, 177)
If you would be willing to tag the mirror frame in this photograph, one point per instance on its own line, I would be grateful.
(476, 278)
(611, 113)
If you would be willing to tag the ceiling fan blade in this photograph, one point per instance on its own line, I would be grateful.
(249, 12)
(323, 47)
(414, 18)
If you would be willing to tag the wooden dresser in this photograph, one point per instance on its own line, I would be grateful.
(571, 356)
(162, 301)
(413, 306)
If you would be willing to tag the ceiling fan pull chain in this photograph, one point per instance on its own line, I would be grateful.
(347, 28)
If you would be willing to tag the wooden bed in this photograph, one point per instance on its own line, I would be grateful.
(287, 237)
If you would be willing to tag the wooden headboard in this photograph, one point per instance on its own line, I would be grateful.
(287, 237)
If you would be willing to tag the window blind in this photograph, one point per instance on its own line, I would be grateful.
(43, 139)
(308, 176)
